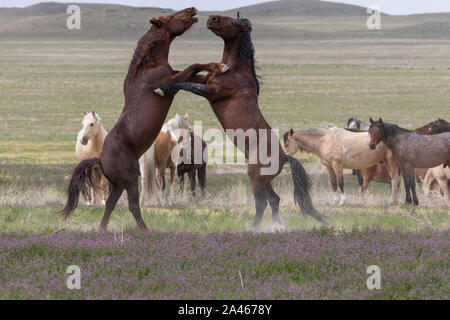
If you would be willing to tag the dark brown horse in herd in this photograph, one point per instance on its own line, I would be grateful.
(233, 96)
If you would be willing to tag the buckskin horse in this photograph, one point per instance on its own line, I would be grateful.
(411, 150)
(233, 97)
(142, 116)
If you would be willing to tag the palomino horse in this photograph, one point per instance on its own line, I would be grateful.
(442, 176)
(411, 150)
(193, 159)
(158, 158)
(89, 145)
(234, 99)
(142, 116)
(340, 149)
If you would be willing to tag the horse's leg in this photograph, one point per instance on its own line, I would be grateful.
(412, 181)
(191, 175)
(333, 182)
(259, 192)
(133, 203)
(428, 182)
(407, 187)
(181, 177)
(339, 171)
(191, 71)
(203, 90)
(201, 174)
(393, 170)
(144, 177)
(114, 196)
(104, 185)
(367, 176)
(274, 202)
(172, 176)
(443, 185)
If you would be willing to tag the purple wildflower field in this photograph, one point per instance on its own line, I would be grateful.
(313, 264)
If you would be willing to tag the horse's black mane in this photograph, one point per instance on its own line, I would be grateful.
(393, 129)
(246, 49)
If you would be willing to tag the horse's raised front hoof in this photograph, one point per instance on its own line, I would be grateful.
(224, 68)
(159, 92)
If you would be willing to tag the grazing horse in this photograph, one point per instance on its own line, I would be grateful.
(442, 176)
(154, 162)
(193, 159)
(233, 97)
(340, 149)
(411, 150)
(142, 116)
(89, 145)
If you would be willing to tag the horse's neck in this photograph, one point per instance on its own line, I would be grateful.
(308, 140)
(231, 51)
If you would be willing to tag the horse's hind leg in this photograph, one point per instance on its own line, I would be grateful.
(407, 188)
(412, 181)
(274, 202)
(172, 176)
(333, 182)
(338, 170)
(443, 185)
(259, 192)
(191, 175)
(201, 174)
(114, 196)
(133, 203)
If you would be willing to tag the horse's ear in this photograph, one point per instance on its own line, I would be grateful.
(291, 133)
(176, 115)
(84, 112)
(156, 22)
(371, 120)
(186, 116)
(380, 121)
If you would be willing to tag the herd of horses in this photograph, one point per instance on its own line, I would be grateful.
(140, 144)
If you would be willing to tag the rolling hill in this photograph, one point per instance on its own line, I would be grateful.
(286, 19)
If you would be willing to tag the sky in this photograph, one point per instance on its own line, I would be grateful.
(387, 6)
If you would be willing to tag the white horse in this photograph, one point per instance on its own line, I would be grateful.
(89, 145)
(163, 153)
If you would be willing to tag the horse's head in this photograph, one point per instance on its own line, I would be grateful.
(91, 126)
(177, 23)
(290, 146)
(377, 133)
(227, 27)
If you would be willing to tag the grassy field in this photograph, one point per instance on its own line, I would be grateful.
(45, 85)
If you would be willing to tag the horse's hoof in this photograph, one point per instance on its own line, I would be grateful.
(88, 204)
(225, 68)
(159, 92)
(277, 227)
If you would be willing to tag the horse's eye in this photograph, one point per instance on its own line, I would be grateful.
(92, 124)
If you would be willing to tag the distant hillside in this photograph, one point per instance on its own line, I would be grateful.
(286, 19)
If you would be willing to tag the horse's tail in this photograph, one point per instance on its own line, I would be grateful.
(302, 189)
(80, 181)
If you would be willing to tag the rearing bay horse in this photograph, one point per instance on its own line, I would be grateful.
(234, 99)
(142, 116)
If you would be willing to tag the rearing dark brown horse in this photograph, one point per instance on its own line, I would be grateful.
(234, 99)
(142, 116)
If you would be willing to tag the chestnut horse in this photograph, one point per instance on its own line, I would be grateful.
(142, 116)
(233, 97)
(411, 150)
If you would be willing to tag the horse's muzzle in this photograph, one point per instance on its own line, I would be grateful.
(212, 22)
(372, 146)
(84, 141)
